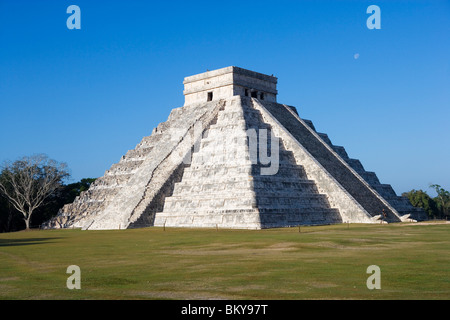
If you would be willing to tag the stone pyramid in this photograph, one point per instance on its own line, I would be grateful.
(232, 157)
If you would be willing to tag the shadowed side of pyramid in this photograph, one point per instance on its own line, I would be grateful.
(400, 203)
(363, 186)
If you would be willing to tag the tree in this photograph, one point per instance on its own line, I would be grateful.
(420, 199)
(9, 217)
(442, 200)
(28, 182)
(63, 195)
(74, 189)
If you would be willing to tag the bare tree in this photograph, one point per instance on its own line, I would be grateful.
(29, 181)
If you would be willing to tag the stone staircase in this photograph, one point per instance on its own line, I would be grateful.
(224, 188)
(137, 183)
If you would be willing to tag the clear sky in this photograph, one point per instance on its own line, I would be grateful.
(87, 96)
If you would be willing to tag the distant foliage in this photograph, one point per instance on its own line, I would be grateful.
(12, 220)
(30, 181)
(442, 200)
(420, 199)
(437, 207)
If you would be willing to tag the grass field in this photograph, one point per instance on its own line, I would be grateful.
(322, 262)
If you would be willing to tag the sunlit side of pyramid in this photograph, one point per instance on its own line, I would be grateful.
(232, 157)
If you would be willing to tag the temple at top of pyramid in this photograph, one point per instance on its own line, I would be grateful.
(227, 82)
(233, 157)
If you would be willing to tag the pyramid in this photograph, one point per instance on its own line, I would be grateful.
(232, 157)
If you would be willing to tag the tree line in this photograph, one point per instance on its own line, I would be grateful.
(33, 189)
(437, 207)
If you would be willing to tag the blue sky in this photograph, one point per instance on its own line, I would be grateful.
(85, 97)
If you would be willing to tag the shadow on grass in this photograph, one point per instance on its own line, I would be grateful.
(23, 242)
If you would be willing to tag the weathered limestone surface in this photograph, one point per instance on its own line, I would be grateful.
(348, 178)
(223, 188)
(136, 184)
(200, 168)
(401, 204)
(227, 82)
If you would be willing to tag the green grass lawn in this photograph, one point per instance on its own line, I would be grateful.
(322, 262)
